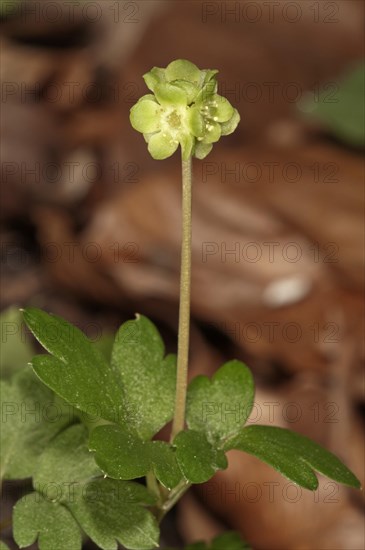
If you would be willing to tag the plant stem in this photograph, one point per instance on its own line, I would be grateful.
(173, 498)
(153, 486)
(184, 311)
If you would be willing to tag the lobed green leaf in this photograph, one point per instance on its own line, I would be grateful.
(197, 458)
(65, 463)
(121, 454)
(35, 518)
(30, 418)
(165, 465)
(16, 351)
(148, 377)
(75, 370)
(293, 455)
(111, 511)
(220, 407)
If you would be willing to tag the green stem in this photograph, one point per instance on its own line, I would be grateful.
(184, 312)
(153, 486)
(173, 498)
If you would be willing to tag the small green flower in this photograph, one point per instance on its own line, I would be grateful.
(184, 109)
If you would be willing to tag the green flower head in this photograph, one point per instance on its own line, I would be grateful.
(184, 109)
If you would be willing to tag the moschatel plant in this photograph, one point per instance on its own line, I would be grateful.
(93, 431)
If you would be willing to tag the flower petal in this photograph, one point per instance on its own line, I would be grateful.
(202, 150)
(208, 74)
(150, 97)
(168, 94)
(181, 69)
(145, 116)
(207, 92)
(212, 132)
(161, 146)
(224, 110)
(231, 124)
(196, 122)
(190, 89)
(153, 77)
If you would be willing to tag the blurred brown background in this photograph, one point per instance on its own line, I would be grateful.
(90, 225)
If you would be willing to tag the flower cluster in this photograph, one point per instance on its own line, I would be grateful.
(184, 109)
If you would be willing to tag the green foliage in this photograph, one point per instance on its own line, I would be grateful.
(293, 455)
(120, 453)
(220, 407)
(148, 378)
(110, 511)
(36, 518)
(165, 465)
(75, 370)
(16, 350)
(342, 110)
(108, 402)
(227, 541)
(68, 456)
(66, 476)
(197, 458)
(30, 418)
(105, 344)
(78, 491)
(3, 546)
